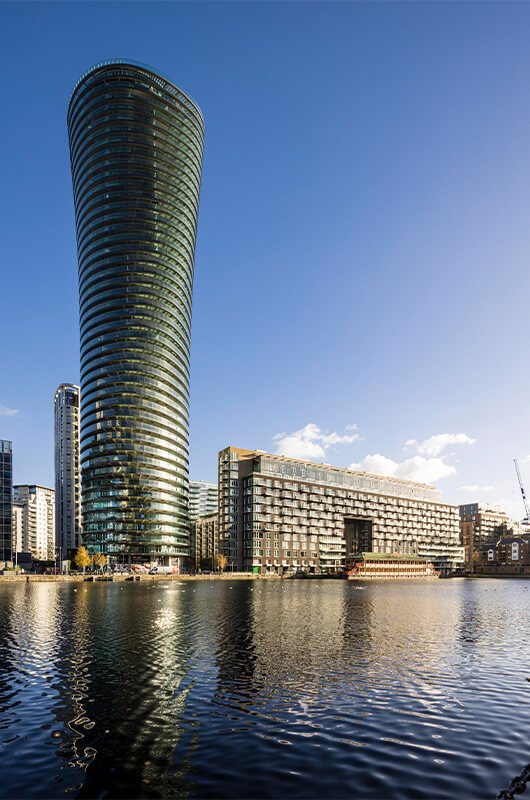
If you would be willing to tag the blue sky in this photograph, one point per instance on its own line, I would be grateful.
(363, 241)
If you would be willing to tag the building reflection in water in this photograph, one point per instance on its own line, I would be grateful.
(138, 678)
(105, 669)
(262, 688)
(236, 649)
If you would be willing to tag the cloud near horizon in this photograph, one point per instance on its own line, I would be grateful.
(474, 487)
(435, 445)
(428, 466)
(311, 442)
(417, 468)
(7, 412)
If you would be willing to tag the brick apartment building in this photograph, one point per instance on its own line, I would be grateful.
(481, 524)
(279, 514)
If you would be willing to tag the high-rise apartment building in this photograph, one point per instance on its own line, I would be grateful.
(136, 144)
(6, 486)
(203, 499)
(67, 470)
(202, 503)
(19, 540)
(279, 514)
(206, 541)
(36, 523)
(481, 524)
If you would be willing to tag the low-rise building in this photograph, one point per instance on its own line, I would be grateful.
(389, 565)
(279, 514)
(480, 524)
(34, 518)
(507, 551)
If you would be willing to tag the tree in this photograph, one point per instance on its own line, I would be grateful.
(82, 558)
(221, 562)
(100, 560)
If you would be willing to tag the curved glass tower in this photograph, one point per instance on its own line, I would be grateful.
(136, 144)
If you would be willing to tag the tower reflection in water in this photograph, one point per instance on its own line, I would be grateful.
(98, 674)
(263, 688)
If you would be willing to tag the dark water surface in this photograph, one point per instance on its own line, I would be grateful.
(264, 689)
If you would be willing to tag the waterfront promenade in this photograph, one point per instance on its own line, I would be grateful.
(121, 578)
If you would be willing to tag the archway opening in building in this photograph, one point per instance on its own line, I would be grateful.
(357, 535)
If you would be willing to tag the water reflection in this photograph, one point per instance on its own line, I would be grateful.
(263, 689)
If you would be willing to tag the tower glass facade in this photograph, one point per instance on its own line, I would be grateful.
(67, 470)
(6, 490)
(136, 144)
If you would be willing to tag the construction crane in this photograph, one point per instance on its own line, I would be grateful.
(525, 501)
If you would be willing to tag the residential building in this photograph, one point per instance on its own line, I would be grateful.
(6, 486)
(509, 555)
(279, 514)
(480, 524)
(203, 499)
(35, 519)
(136, 144)
(206, 540)
(19, 541)
(67, 470)
(202, 502)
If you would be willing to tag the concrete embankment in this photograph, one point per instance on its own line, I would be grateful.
(30, 578)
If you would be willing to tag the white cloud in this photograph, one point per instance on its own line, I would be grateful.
(310, 441)
(7, 412)
(417, 468)
(474, 487)
(435, 445)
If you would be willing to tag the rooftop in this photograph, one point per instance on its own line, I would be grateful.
(261, 453)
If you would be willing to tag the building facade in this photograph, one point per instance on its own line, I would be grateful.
(279, 514)
(206, 541)
(203, 499)
(388, 566)
(136, 144)
(480, 524)
(6, 490)
(67, 470)
(34, 515)
(509, 555)
(17, 517)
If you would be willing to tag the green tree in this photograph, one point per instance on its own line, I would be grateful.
(100, 560)
(82, 558)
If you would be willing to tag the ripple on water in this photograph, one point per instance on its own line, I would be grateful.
(289, 688)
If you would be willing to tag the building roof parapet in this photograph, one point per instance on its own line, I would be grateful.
(260, 453)
(166, 82)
